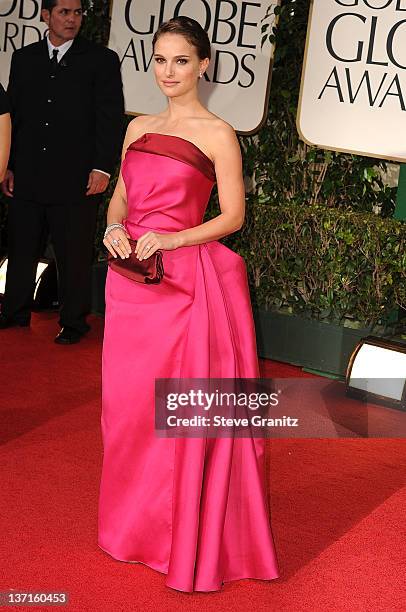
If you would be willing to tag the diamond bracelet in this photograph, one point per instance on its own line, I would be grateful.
(111, 227)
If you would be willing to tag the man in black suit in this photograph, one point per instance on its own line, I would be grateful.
(67, 113)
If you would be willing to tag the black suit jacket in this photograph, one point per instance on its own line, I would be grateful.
(4, 108)
(66, 122)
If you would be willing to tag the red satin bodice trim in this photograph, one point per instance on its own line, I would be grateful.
(177, 148)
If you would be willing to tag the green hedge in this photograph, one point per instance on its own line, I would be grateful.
(340, 266)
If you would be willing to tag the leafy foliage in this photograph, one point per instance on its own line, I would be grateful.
(326, 263)
(311, 243)
(96, 22)
(283, 168)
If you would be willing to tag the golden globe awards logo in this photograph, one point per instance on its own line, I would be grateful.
(240, 66)
(20, 25)
(353, 95)
(236, 86)
(366, 50)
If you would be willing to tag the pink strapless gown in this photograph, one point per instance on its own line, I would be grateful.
(194, 509)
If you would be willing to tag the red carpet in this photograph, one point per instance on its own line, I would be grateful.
(338, 506)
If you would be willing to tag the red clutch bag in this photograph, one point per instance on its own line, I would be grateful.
(149, 271)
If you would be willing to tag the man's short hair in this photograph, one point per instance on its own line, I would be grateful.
(48, 5)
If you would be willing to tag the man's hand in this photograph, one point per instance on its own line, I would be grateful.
(7, 185)
(97, 182)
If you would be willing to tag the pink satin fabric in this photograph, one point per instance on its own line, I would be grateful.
(194, 509)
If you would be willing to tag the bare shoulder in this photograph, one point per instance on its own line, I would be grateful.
(222, 140)
(223, 133)
(211, 123)
(139, 125)
(212, 134)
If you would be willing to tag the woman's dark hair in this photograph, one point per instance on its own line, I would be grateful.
(188, 28)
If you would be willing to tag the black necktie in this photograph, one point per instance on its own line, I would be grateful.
(54, 59)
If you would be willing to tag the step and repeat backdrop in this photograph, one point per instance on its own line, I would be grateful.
(353, 94)
(20, 25)
(237, 84)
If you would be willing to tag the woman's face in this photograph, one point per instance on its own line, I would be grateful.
(177, 65)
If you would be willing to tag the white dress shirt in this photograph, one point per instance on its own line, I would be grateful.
(62, 49)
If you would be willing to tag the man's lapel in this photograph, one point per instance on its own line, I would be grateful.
(41, 48)
(80, 45)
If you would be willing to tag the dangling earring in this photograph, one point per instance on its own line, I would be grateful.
(200, 75)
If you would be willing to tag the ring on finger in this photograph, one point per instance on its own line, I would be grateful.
(116, 241)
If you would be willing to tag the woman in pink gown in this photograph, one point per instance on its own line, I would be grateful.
(194, 509)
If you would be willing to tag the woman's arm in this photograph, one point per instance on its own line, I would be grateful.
(231, 190)
(5, 140)
(117, 210)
